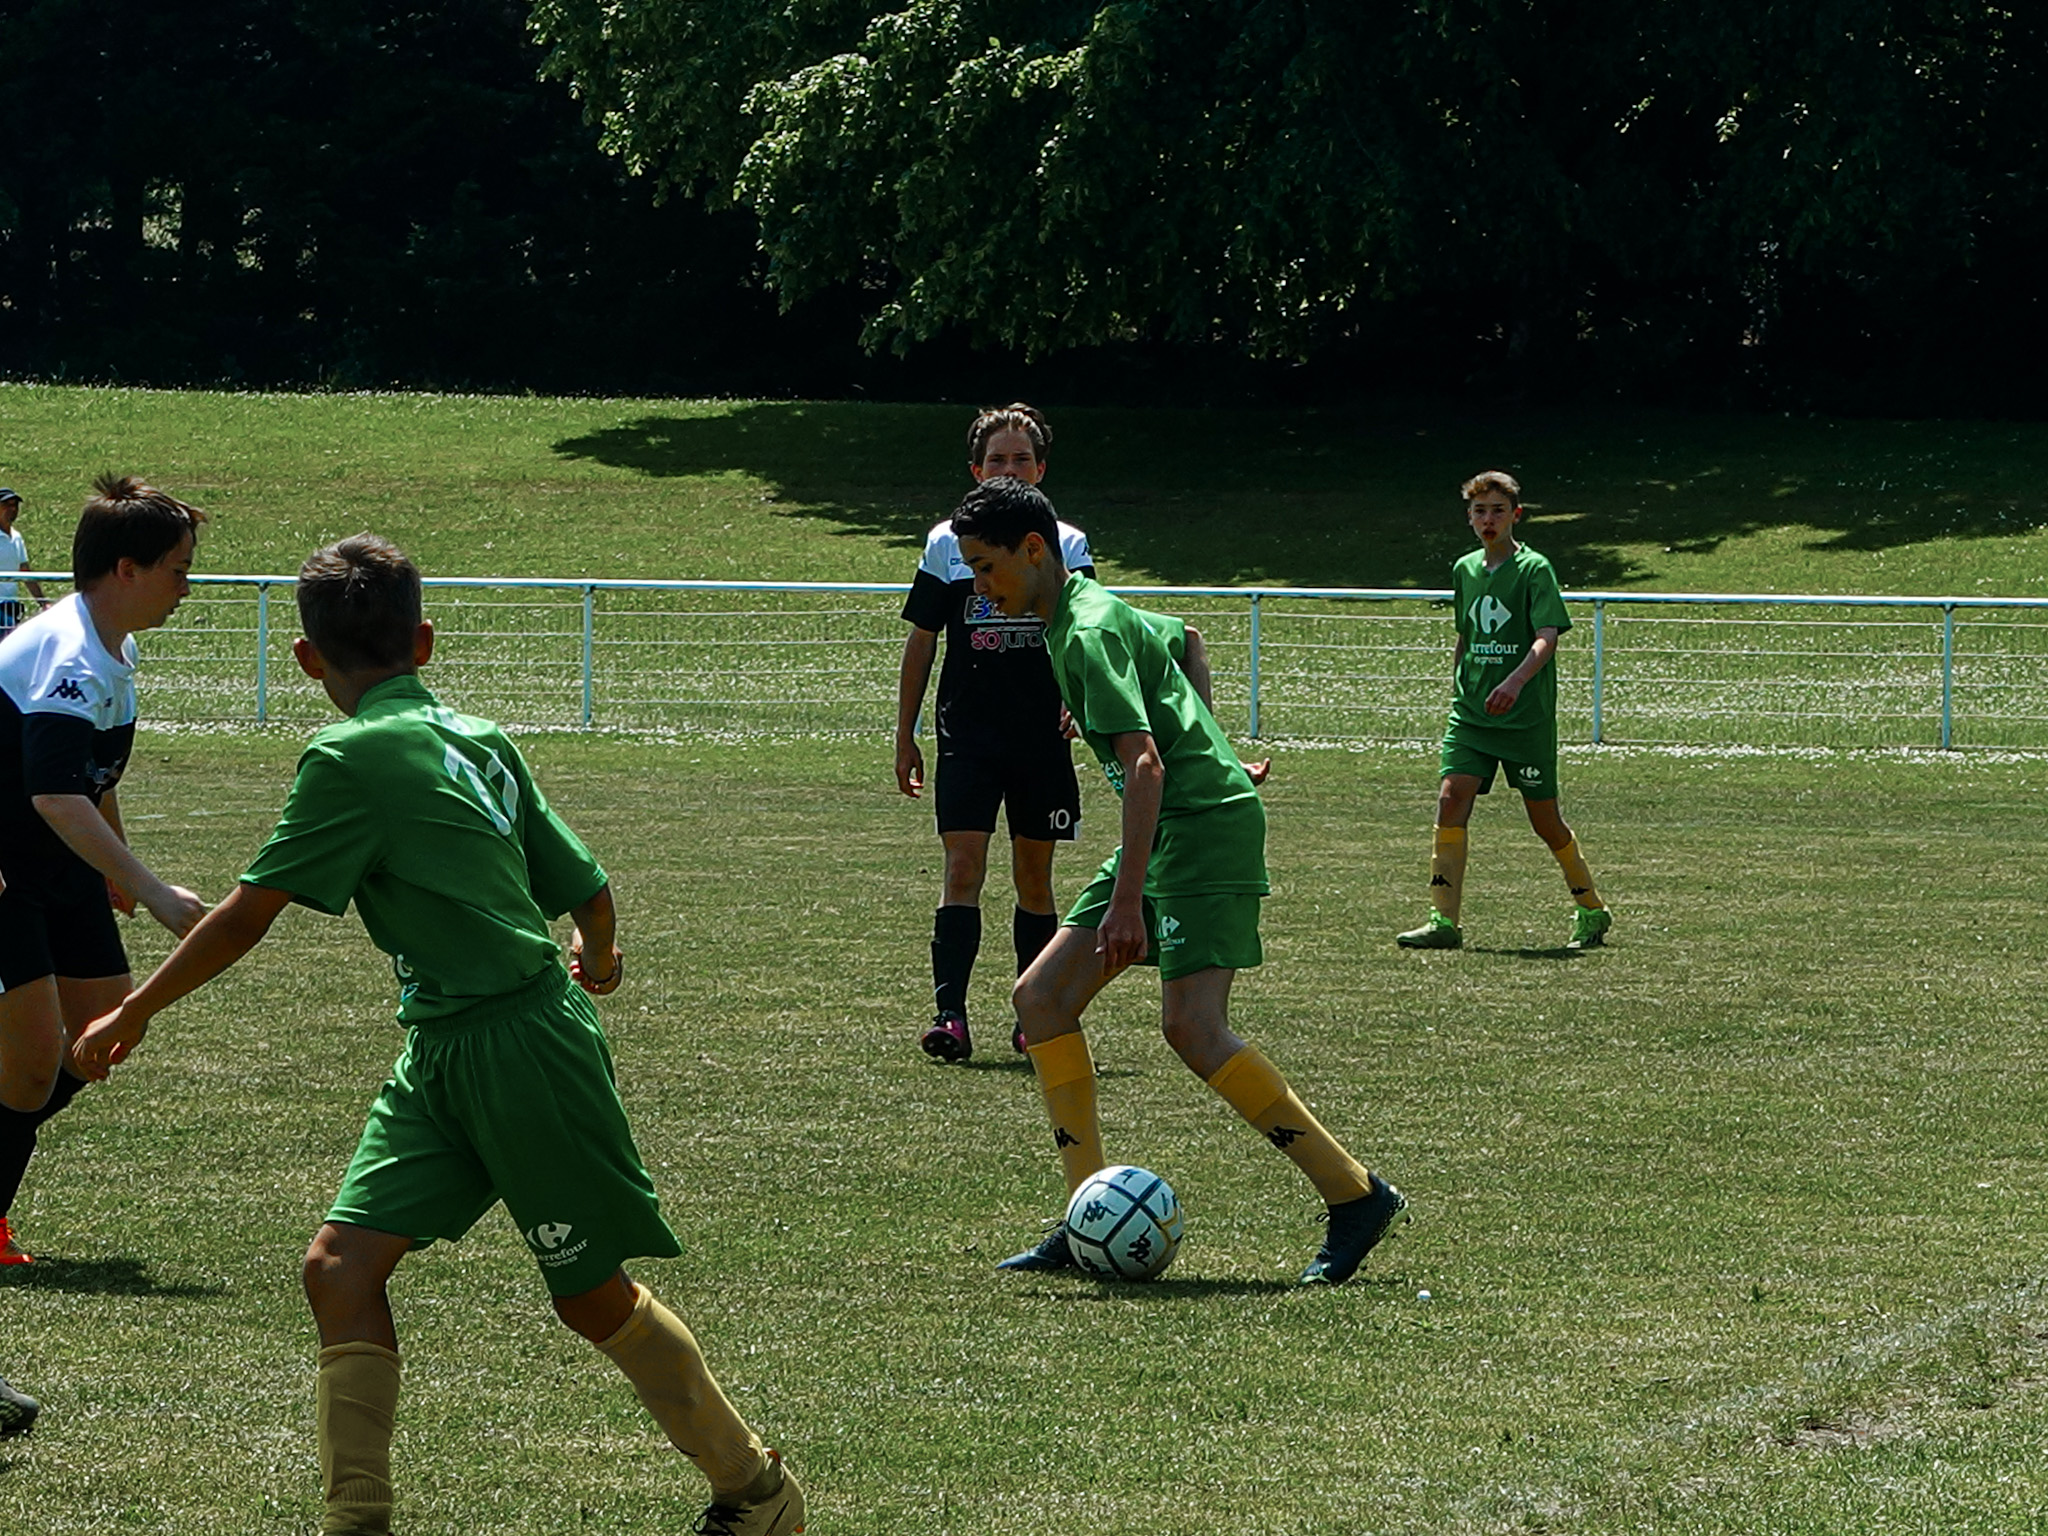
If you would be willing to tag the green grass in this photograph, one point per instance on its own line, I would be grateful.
(1727, 1228)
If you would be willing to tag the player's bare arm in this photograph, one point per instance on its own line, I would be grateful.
(221, 938)
(919, 652)
(86, 831)
(1122, 939)
(1502, 699)
(596, 934)
(110, 808)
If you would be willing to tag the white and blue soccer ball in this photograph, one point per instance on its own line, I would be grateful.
(1124, 1224)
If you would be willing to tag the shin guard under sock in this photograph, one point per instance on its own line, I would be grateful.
(1576, 874)
(956, 940)
(1253, 1087)
(1066, 1076)
(356, 1400)
(1031, 932)
(661, 1358)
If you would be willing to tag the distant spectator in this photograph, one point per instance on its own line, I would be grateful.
(13, 559)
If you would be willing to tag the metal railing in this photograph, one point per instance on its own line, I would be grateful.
(1329, 663)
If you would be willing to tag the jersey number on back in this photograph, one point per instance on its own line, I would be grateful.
(501, 807)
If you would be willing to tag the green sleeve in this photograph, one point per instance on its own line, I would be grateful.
(559, 870)
(327, 839)
(1112, 698)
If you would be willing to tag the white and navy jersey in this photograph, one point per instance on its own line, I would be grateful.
(996, 691)
(67, 725)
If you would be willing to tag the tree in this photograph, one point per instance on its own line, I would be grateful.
(1647, 180)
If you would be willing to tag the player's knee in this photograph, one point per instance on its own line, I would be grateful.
(27, 1088)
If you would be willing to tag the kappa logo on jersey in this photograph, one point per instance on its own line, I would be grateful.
(1489, 614)
(68, 690)
(549, 1236)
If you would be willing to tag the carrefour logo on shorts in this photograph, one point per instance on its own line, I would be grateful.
(1532, 772)
(1170, 936)
(550, 1241)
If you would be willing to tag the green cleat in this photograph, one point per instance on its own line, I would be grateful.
(1589, 928)
(1434, 934)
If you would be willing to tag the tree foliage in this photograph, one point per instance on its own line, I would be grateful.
(1651, 180)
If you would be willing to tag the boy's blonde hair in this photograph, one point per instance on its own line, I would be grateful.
(1494, 480)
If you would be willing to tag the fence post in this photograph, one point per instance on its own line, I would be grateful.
(589, 626)
(1599, 663)
(1948, 674)
(1255, 666)
(262, 652)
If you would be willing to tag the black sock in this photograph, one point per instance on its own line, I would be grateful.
(956, 940)
(1031, 932)
(18, 1136)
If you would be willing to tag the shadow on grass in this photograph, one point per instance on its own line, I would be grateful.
(1559, 952)
(1301, 498)
(100, 1277)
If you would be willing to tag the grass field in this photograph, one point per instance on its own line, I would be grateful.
(1731, 1227)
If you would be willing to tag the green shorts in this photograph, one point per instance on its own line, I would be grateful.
(1188, 933)
(512, 1100)
(1530, 768)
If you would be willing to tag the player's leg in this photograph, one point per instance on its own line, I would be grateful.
(61, 968)
(1457, 791)
(660, 1356)
(1591, 919)
(966, 793)
(1204, 941)
(1050, 998)
(346, 1273)
(1042, 801)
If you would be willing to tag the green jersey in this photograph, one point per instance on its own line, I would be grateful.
(1116, 675)
(1498, 614)
(430, 822)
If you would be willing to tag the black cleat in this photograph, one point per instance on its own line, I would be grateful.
(1052, 1252)
(17, 1411)
(1355, 1227)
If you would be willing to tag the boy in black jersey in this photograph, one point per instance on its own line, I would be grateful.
(67, 725)
(1000, 742)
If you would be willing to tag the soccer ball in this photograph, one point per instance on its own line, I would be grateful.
(1124, 1224)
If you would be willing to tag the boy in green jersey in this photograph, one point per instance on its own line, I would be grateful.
(430, 822)
(1181, 892)
(1503, 712)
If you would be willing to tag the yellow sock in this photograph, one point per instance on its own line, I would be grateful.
(1253, 1087)
(1447, 872)
(1066, 1076)
(356, 1399)
(661, 1358)
(1577, 875)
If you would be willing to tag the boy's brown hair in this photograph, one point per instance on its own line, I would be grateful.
(1015, 417)
(1494, 480)
(359, 603)
(126, 518)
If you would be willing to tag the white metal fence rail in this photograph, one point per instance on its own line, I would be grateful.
(1290, 662)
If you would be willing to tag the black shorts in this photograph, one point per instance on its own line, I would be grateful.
(1038, 792)
(77, 938)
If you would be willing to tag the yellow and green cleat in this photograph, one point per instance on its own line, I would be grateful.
(1589, 928)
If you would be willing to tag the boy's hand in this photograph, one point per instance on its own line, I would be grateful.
(1502, 699)
(105, 1043)
(1122, 939)
(1068, 730)
(600, 986)
(120, 900)
(1258, 772)
(909, 767)
(175, 907)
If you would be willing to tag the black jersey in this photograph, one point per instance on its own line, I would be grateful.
(67, 725)
(996, 690)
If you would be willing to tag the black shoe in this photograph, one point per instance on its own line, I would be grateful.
(17, 1411)
(1355, 1227)
(947, 1039)
(1052, 1252)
